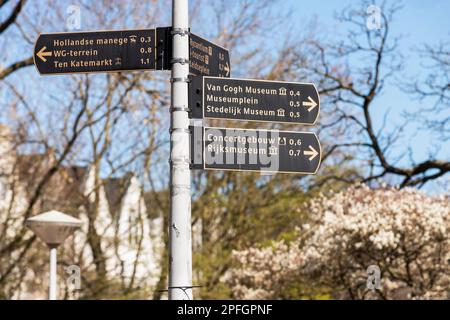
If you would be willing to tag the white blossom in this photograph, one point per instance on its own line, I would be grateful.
(405, 232)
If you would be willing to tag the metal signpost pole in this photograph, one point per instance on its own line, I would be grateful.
(180, 248)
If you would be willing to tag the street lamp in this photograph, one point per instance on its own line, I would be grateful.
(53, 228)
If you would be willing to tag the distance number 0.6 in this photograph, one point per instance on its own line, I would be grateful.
(282, 141)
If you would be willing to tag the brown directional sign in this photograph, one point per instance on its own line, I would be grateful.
(269, 151)
(103, 51)
(207, 58)
(254, 100)
(124, 50)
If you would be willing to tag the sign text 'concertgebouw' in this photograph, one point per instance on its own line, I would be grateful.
(269, 151)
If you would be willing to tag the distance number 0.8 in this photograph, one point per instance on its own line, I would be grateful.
(145, 50)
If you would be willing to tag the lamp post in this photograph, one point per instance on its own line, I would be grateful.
(53, 228)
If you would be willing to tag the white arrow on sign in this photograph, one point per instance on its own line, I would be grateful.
(42, 54)
(311, 152)
(227, 69)
(311, 104)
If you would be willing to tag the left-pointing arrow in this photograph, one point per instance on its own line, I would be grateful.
(311, 152)
(42, 54)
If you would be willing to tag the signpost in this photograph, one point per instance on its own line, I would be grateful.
(207, 58)
(209, 94)
(180, 235)
(269, 151)
(254, 100)
(103, 51)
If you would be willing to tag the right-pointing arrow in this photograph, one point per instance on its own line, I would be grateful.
(227, 69)
(311, 152)
(42, 54)
(311, 104)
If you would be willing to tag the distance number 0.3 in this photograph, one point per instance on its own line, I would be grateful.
(146, 39)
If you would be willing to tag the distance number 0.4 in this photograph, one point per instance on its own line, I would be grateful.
(294, 93)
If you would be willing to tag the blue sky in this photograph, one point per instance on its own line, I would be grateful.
(418, 22)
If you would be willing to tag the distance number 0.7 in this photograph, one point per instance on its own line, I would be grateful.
(295, 152)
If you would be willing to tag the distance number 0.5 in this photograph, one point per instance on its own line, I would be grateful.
(295, 104)
(294, 114)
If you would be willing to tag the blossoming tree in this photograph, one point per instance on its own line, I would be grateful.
(402, 233)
